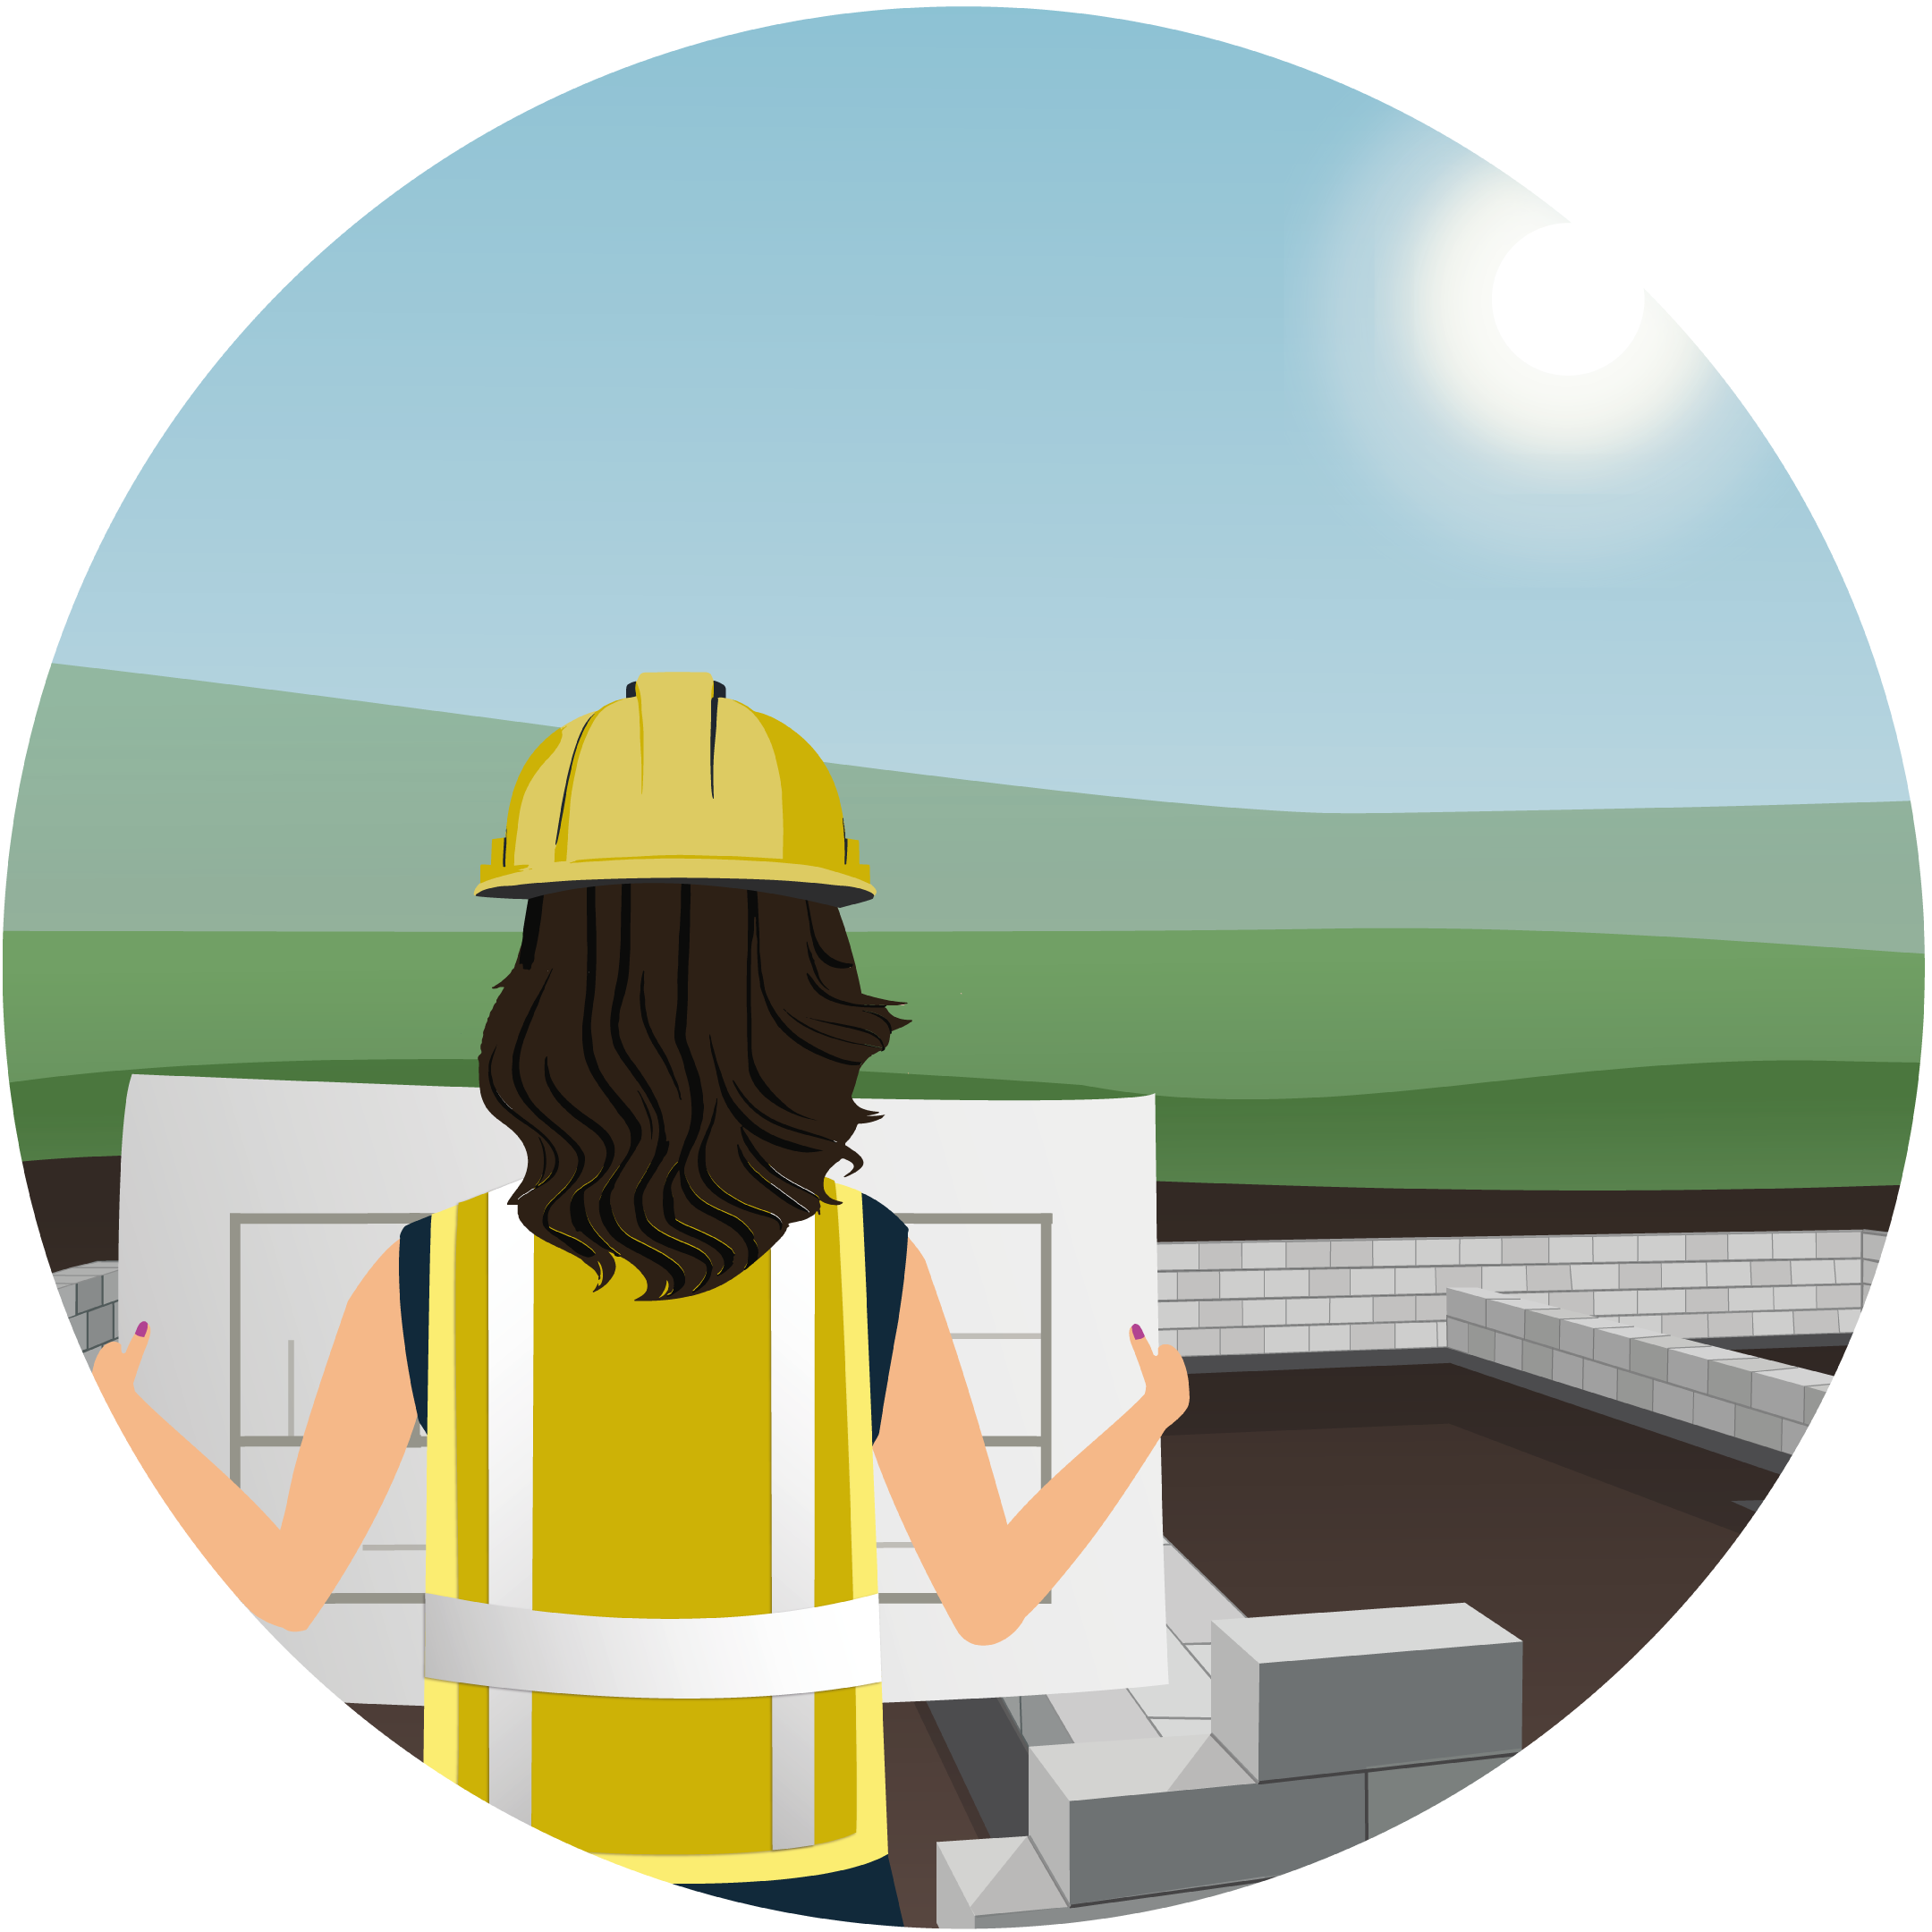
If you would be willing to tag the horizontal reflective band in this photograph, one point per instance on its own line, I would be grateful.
(792, 1651)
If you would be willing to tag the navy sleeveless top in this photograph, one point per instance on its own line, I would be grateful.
(885, 1238)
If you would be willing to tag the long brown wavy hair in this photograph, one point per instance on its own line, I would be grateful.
(678, 1062)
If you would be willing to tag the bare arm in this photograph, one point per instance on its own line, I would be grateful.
(357, 1427)
(989, 1573)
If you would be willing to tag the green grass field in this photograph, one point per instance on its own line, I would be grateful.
(1460, 999)
(1234, 1015)
(1365, 1058)
(1284, 1015)
(1743, 1124)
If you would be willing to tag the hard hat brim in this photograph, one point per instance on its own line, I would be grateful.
(816, 883)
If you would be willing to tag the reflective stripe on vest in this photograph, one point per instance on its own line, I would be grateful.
(651, 1627)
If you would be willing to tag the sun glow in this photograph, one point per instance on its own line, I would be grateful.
(1531, 331)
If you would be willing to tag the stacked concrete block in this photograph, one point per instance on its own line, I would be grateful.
(1326, 1730)
(1145, 1816)
(1635, 1360)
(1404, 1791)
(1296, 1697)
(91, 1297)
(1100, 1717)
(1183, 1705)
(1004, 1882)
(1194, 1606)
(1300, 1298)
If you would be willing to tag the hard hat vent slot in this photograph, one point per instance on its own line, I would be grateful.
(569, 771)
(717, 691)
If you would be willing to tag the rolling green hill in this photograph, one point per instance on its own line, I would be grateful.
(1279, 1015)
(1751, 1124)
(1236, 1015)
(164, 804)
(1362, 1059)
(215, 879)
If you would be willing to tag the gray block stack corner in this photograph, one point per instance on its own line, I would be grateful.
(1137, 1817)
(1296, 1696)
(91, 1298)
(1320, 1730)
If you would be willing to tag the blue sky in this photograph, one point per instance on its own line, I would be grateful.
(1007, 395)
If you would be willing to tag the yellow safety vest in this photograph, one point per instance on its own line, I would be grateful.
(651, 1624)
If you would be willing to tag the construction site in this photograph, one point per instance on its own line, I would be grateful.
(1432, 1491)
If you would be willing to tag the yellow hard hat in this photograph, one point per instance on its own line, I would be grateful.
(677, 781)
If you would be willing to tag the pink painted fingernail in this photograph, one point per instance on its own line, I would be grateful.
(1137, 1335)
(142, 1330)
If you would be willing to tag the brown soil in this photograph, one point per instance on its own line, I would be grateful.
(1349, 1488)
(1793, 1355)
(77, 1204)
(1204, 1210)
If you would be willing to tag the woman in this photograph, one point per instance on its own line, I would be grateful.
(654, 1375)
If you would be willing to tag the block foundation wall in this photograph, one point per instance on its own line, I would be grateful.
(1293, 1298)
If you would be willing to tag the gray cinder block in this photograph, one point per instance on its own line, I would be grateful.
(1299, 1697)
(1731, 1377)
(87, 1287)
(1101, 1717)
(1177, 1813)
(1187, 1692)
(1193, 1604)
(1397, 1795)
(1544, 1326)
(1039, 1723)
(980, 1881)
(1004, 1882)
(100, 1326)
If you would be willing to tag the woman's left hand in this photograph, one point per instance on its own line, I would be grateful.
(115, 1366)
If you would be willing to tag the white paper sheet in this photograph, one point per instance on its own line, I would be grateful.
(232, 1195)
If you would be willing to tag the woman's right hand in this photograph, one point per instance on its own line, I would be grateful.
(1165, 1375)
(117, 1366)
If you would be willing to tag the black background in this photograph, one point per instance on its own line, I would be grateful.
(176, 174)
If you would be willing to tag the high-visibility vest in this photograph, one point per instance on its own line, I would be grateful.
(651, 1623)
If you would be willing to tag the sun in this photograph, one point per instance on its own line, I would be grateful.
(1562, 305)
(1533, 332)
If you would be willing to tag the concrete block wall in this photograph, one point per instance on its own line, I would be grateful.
(1152, 1797)
(90, 1299)
(1299, 1298)
(1635, 1359)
